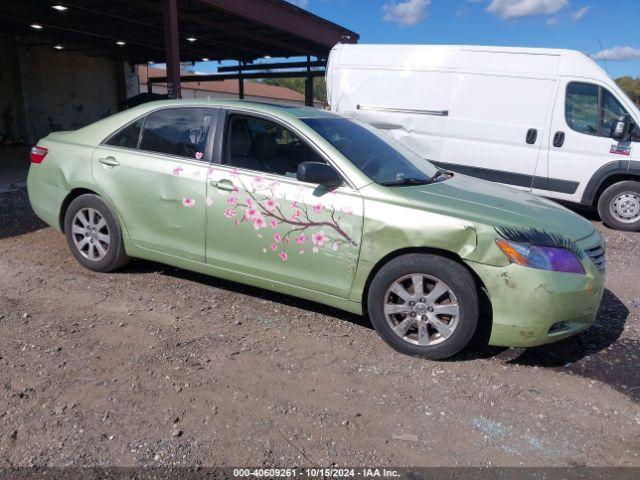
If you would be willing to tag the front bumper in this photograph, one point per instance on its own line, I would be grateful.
(534, 307)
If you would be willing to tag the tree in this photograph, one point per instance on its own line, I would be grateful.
(297, 84)
(631, 87)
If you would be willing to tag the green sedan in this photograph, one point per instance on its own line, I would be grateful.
(321, 207)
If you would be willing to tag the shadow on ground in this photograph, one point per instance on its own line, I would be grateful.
(16, 215)
(599, 353)
(142, 266)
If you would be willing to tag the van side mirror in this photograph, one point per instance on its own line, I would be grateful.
(622, 128)
(320, 173)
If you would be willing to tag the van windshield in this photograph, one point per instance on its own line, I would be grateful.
(380, 157)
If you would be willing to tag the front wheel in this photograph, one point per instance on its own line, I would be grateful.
(424, 305)
(94, 235)
(619, 206)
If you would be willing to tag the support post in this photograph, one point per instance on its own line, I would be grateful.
(308, 85)
(172, 48)
(240, 82)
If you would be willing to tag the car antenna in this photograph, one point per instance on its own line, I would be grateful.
(604, 59)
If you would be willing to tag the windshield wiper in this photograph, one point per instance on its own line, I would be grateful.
(406, 181)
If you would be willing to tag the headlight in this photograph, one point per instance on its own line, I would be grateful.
(545, 258)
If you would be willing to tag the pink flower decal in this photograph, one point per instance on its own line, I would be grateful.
(318, 239)
(300, 239)
(277, 237)
(249, 202)
(296, 214)
(257, 181)
(274, 247)
(252, 213)
(188, 202)
(283, 256)
(270, 204)
(273, 223)
(177, 171)
(208, 201)
(318, 207)
(232, 201)
(229, 213)
(259, 223)
(234, 172)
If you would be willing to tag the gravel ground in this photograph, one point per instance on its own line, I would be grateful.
(156, 366)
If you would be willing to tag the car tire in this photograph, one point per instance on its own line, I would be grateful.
(94, 234)
(443, 318)
(619, 206)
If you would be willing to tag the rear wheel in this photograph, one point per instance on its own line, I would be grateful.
(424, 305)
(619, 206)
(94, 235)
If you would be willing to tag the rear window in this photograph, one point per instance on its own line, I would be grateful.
(177, 131)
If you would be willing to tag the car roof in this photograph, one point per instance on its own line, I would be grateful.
(261, 107)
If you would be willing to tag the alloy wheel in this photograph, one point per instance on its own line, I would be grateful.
(421, 309)
(90, 234)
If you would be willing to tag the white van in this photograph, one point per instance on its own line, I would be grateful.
(548, 121)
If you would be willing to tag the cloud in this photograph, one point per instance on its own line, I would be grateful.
(300, 3)
(508, 9)
(407, 13)
(579, 14)
(552, 21)
(618, 54)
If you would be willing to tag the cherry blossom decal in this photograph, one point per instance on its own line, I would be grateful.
(188, 202)
(317, 226)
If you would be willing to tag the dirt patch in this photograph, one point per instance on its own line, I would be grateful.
(159, 366)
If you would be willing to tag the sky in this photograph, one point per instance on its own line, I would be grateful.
(582, 25)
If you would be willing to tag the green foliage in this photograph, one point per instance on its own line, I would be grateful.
(631, 87)
(297, 84)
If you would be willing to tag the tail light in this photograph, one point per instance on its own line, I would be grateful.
(37, 154)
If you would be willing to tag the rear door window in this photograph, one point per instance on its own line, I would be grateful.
(180, 132)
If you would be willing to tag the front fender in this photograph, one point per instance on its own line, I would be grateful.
(391, 228)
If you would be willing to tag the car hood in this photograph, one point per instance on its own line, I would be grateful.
(495, 205)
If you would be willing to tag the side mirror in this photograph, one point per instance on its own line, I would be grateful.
(622, 128)
(320, 173)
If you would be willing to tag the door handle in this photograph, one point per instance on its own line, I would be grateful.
(110, 161)
(226, 185)
(532, 136)
(558, 139)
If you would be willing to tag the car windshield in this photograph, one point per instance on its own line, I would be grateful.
(380, 157)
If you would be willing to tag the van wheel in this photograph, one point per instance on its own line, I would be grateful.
(619, 206)
(424, 305)
(94, 235)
